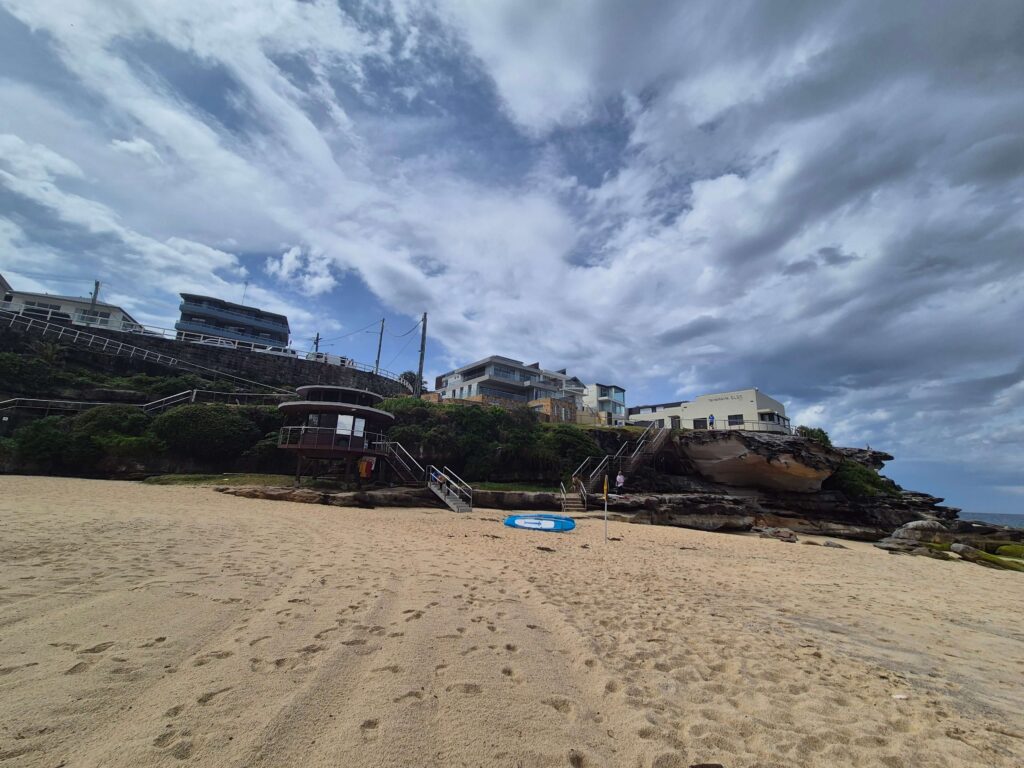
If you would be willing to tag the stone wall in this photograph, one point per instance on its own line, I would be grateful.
(273, 370)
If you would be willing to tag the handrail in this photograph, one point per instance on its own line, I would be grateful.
(461, 483)
(579, 470)
(391, 447)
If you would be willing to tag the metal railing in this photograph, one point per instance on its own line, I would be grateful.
(396, 453)
(25, 315)
(328, 438)
(722, 426)
(35, 404)
(76, 336)
(450, 486)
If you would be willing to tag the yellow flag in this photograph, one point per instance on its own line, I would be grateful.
(606, 487)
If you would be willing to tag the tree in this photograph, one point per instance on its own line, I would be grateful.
(409, 377)
(817, 434)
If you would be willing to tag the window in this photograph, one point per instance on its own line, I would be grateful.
(736, 420)
(700, 423)
(313, 420)
(646, 410)
(92, 317)
(42, 305)
(675, 422)
(344, 424)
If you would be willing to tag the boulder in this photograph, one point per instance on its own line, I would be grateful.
(920, 530)
(782, 534)
(760, 459)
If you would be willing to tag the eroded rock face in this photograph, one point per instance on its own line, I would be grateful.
(869, 458)
(760, 459)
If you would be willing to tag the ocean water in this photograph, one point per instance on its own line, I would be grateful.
(1014, 521)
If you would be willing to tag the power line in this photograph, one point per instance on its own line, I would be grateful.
(400, 335)
(353, 333)
(401, 350)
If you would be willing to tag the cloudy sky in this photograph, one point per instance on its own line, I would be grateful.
(824, 200)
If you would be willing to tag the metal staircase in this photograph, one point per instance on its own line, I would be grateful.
(630, 457)
(157, 406)
(574, 501)
(409, 470)
(455, 492)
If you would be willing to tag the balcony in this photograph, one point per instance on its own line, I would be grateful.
(211, 330)
(262, 323)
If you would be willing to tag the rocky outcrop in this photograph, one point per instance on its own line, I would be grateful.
(385, 497)
(760, 459)
(869, 458)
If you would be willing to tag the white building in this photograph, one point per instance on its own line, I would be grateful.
(76, 310)
(604, 404)
(748, 409)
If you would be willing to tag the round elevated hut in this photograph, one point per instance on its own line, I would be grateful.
(340, 431)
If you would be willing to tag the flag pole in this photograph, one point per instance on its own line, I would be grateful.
(606, 507)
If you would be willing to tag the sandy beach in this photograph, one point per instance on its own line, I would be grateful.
(146, 625)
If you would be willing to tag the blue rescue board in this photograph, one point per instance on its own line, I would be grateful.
(556, 523)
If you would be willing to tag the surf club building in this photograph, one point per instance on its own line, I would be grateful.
(744, 409)
(340, 432)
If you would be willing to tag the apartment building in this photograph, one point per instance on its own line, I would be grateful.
(604, 404)
(77, 310)
(744, 409)
(496, 380)
(210, 316)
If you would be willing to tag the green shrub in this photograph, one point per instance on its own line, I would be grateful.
(1011, 550)
(213, 433)
(857, 481)
(111, 420)
(47, 445)
(817, 434)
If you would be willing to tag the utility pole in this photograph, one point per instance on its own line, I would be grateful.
(245, 290)
(423, 347)
(380, 343)
(92, 304)
(316, 342)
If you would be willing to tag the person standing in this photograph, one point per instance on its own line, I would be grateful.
(620, 482)
(711, 421)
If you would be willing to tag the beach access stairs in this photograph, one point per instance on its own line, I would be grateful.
(455, 492)
(589, 476)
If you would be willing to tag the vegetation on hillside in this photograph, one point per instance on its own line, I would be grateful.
(114, 439)
(487, 442)
(817, 434)
(858, 481)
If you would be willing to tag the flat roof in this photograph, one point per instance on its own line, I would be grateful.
(637, 408)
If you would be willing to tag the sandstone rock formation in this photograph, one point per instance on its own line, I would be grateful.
(760, 459)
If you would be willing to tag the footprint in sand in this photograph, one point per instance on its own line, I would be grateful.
(393, 668)
(563, 706)
(78, 668)
(416, 695)
(208, 696)
(467, 688)
(8, 670)
(100, 648)
(206, 658)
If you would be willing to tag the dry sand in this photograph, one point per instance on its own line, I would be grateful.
(159, 626)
